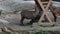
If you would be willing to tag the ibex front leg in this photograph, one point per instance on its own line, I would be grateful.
(21, 21)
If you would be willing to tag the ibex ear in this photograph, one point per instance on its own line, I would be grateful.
(54, 8)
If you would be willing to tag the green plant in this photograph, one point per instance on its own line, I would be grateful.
(7, 33)
(0, 12)
(43, 32)
(15, 12)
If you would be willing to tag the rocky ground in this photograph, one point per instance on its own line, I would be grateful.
(14, 21)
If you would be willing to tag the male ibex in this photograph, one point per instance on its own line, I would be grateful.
(33, 15)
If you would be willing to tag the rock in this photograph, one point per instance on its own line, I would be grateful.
(4, 22)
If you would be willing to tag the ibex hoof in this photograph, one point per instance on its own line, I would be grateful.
(21, 24)
(29, 23)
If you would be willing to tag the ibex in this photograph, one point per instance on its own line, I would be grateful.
(53, 10)
(33, 15)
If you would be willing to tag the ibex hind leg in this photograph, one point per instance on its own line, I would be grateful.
(37, 18)
(31, 22)
(55, 18)
(21, 21)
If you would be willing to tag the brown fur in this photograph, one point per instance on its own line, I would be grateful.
(57, 11)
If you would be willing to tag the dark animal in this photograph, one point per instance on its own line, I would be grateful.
(33, 15)
(53, 12)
